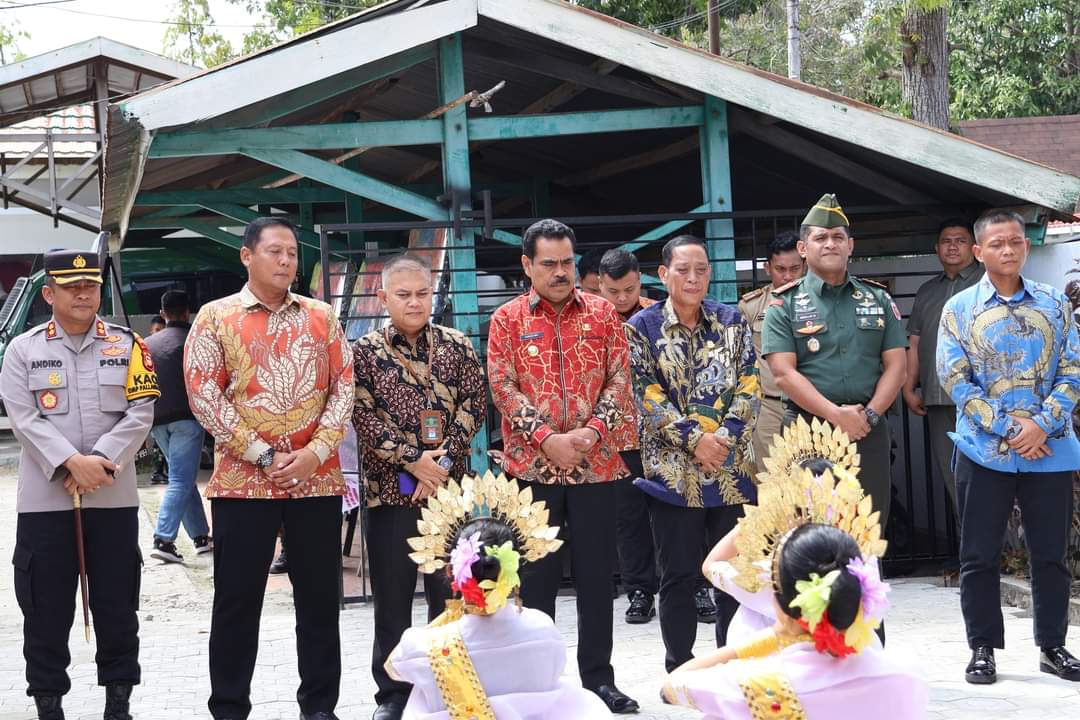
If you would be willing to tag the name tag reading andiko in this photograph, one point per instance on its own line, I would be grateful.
(431, 427)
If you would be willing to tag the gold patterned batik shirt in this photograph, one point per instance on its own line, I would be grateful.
(261, 379)
(688, 382)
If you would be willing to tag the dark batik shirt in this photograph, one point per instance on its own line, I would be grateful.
(390, 398)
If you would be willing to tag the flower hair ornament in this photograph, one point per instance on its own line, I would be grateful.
(441, 545)
(813, 604)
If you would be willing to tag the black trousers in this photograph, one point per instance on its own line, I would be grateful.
(986, 501)
(633, 531)
(245, 532)
(393, 584)
(588, 514)
(875, 461)
(46, 584)
(681, 533)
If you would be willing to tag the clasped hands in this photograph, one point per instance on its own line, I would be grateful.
(712, 452)
(1030, 442)
(291, 471)
(568, 450)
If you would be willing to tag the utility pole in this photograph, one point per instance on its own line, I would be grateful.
(794, 51)
(714, 27)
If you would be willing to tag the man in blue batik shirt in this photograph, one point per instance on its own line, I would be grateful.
(1009, 356)
(696, 386)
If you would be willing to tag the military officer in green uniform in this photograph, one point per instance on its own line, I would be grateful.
(836, 346)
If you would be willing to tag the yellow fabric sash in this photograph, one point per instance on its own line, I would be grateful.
(455, 674)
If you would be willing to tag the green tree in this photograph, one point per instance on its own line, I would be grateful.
(191, 37)
(286, 19)
(10, 34)
(1015, 58)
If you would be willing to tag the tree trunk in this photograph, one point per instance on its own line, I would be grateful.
(925, 79)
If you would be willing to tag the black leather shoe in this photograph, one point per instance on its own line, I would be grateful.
(641, 608)
(388, 711)
(1059, 661)
(320, 715)
(48, 707)
(280, 566)
(616, 701)
(981, 670)
(706, 610)
(117, 698)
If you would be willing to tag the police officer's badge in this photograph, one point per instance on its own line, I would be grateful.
(113, 350)
(813, 345)
(54, 379)
(48, 400)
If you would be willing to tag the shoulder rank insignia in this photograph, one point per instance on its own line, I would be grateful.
(876, 283)
(784, 288)
(753, 294)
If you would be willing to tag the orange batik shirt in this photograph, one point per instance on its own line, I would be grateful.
(258, 379)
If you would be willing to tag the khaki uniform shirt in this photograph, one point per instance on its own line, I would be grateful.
(838, 333)
(753, 306)
(65, 396)
(924, 321)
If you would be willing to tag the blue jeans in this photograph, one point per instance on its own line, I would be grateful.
(182, 442)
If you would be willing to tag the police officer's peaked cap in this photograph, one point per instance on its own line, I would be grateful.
(827, 213)
(69, 266)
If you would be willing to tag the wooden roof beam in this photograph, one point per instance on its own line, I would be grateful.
(502, 55)
(810, 152)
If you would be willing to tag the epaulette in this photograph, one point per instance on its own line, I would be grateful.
(875, 283)
(752, 294)
(784, 288)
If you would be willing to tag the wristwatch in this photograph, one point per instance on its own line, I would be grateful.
(872, 417)
(1013, 430)
(266, 458)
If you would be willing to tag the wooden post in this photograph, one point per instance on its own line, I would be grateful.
(716, 193)
(457, 184)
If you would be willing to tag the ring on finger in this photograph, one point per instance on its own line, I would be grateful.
(295, 482)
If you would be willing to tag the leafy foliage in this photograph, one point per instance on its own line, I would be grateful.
(286, 19)
(10, 34)
(191, 37)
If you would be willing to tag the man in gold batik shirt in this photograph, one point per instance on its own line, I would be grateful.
(269, 376)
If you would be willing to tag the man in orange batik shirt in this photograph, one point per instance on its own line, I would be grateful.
(269, 375)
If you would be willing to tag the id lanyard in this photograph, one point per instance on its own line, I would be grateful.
(431, 420)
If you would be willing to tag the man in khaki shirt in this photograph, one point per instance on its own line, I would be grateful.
(783, 264)
(79, 392)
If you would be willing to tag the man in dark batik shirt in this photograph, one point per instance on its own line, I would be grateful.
(420, 399)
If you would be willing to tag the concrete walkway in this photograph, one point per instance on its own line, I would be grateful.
(924, 625)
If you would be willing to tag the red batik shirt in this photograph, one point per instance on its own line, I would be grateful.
(554, 372)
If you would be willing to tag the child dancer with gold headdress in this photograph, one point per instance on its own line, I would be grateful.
(811, 546)
(486, 658)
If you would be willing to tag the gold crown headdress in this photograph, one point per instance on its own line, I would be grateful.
(454, 505)
(790, 496)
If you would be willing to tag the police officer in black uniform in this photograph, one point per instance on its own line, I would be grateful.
(80, 395)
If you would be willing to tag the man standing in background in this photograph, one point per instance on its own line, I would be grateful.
(783, 265)
(620, 284)
(922, 390)
(178, 434)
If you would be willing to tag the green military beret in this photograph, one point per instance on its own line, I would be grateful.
(827, 213)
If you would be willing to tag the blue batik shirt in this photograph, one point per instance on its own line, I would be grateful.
(688, 382)
(1011, 356)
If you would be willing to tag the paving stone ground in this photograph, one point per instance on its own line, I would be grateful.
(924, 626)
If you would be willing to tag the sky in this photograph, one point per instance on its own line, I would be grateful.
(55, 26)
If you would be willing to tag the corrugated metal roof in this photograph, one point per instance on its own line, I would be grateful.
(656, 69)
(76, 120)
